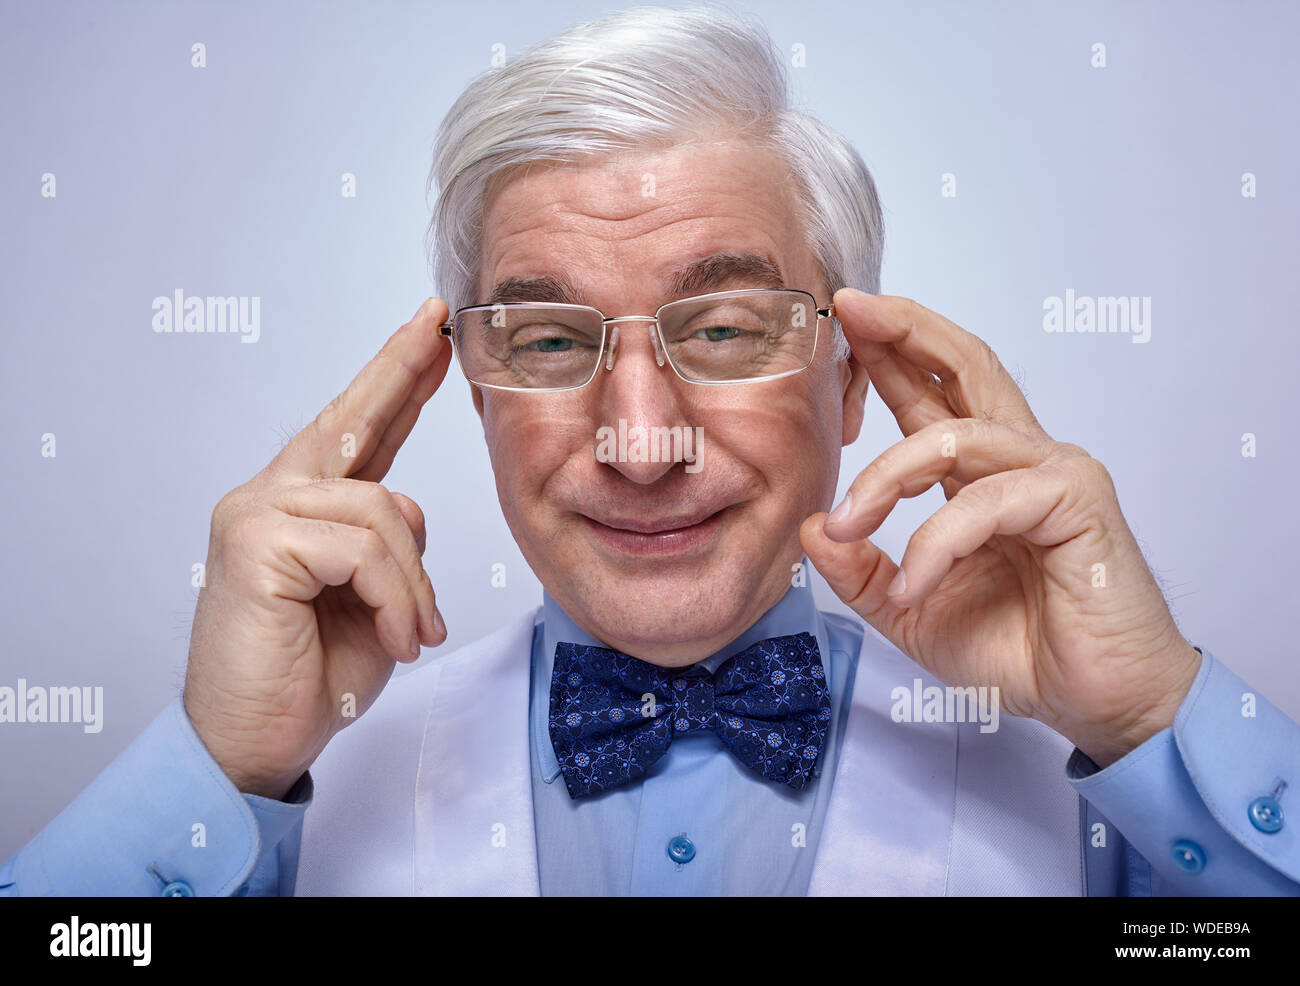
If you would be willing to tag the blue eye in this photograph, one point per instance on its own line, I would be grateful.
(720, 333)
(552, 345)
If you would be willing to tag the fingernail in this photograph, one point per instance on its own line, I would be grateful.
(438, 624)
(415, 644)
(899, 585)
(841, 512)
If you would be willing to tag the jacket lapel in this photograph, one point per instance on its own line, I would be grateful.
(473, 796)
(890, 816)
(942, 808)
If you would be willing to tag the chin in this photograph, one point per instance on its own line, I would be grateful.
(672, 613)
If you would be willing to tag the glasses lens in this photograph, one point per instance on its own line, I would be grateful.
(740, 336)
(528, 346)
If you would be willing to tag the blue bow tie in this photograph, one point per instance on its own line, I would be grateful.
(612, 716)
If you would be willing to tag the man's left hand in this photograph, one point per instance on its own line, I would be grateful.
(1028, 578)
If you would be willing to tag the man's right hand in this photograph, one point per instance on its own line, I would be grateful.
(314, 580)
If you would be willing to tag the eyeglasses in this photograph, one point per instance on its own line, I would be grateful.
(725, 337)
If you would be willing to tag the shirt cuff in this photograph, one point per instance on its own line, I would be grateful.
(163, 818)
(1204, 801)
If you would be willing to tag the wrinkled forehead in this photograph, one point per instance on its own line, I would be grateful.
(644, 215)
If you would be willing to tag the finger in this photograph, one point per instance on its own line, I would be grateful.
(973, 379)
(964, 449)
(370, 506)
(400, 428)
(351, 429)
(414, 517)
(318, 553)
(1022, 502)
(415, 521)
(913, 395)
(858, 572)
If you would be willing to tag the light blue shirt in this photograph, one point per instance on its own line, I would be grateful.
(1187, 802)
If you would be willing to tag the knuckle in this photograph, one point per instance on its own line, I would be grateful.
(1001, 436)
(1093, 472)
(911, 311)
(323, 528)
(373, 551)
(326, 424)
(941, 437)
(978, 359)
(226, 510)
(879, 477)
(971, 497)
(366, 426)
(335, 405)
(380, 505)
(364, 491)
(936, 435)
(245, 531)
(874, 471)
(937, 429)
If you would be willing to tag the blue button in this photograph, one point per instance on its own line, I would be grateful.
(1266, 814)
(681, 849)
(178, 888)
(1189, 855)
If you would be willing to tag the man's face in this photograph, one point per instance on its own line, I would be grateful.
(653, 560)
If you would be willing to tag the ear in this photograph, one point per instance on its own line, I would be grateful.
(856, 382)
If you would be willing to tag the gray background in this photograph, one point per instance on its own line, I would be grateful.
(226, 181)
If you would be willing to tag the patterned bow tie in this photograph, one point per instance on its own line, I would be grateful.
(612, 716)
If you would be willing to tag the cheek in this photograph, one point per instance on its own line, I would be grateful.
(529, 442)
(789, 437)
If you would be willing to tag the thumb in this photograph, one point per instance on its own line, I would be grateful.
(858, 572)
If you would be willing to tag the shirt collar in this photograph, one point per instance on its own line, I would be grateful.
(795, 612)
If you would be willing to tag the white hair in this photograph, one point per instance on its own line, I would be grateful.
(647, 77)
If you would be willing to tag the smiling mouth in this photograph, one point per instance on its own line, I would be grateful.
(661, 536)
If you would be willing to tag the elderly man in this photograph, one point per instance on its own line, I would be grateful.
(639, 244)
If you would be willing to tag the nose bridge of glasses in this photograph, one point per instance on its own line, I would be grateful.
(611, 345)
(631, 318)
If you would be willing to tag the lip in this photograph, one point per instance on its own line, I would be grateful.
(658, 536)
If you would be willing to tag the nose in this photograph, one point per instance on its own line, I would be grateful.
(637, 396)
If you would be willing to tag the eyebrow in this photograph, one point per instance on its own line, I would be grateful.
(714, 272)
(709, 273)
(548, 288)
